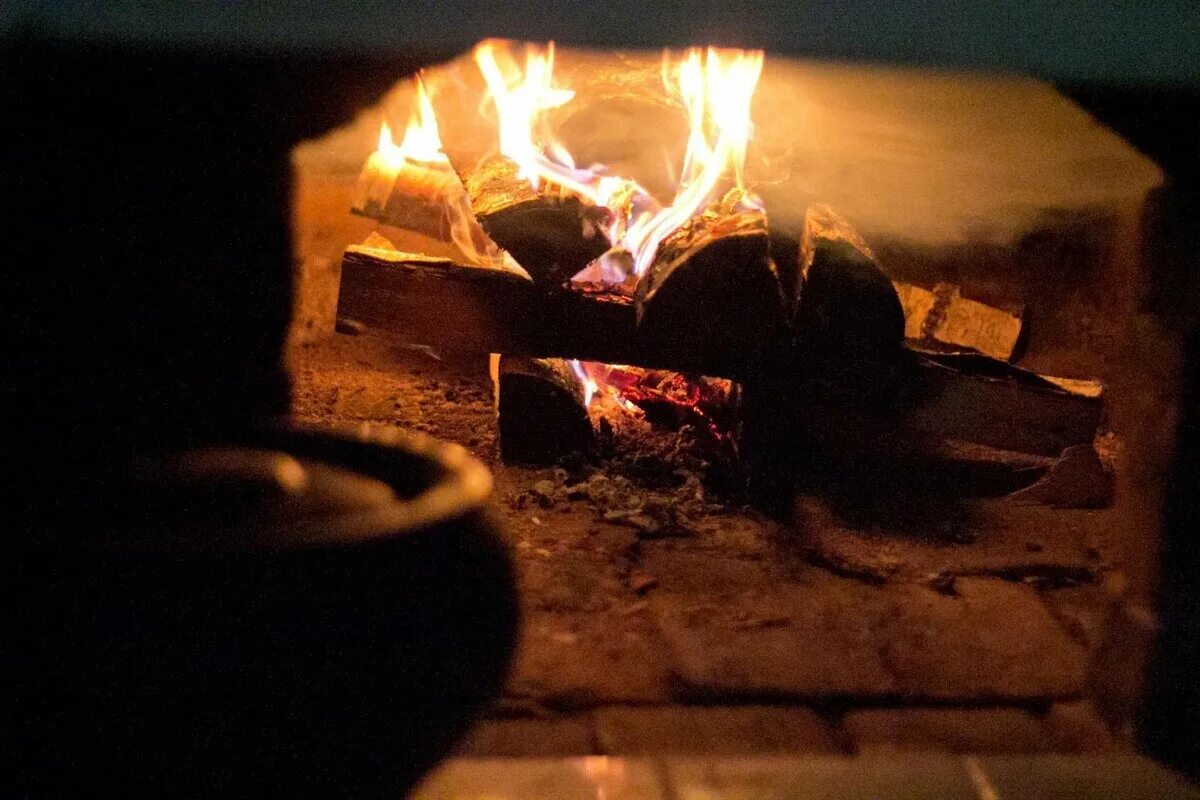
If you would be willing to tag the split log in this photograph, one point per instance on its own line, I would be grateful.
(712, 282)
(846, 307)
(542, 416)
(979, 399)
(944, 317)
(551, 235)
(413, 196)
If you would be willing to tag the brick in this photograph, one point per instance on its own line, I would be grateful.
(1114, 776)
(788, 639)
(1009, 540)
(555, 736)
(835, 637)
(911, 776)
(1077, 728)
(558, 778)
(570, 661)
(712, 730)
(954, 730)
(994, 642)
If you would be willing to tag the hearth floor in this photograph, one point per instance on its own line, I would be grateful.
(1053, 777)
(733, 639)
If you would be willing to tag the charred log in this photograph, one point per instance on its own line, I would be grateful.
(712, 285)
(419, 300)
(551, 235)
(541, 411)
(846, 307)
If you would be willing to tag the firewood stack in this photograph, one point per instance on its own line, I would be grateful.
(826, 362)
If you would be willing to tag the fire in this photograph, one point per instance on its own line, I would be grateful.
(522, 96)
(716, 90)
(422, 140)
(418, 170)
(714, 86)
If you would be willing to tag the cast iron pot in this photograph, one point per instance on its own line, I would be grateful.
(306, 614)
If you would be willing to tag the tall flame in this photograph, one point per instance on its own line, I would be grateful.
(714, 87)
(423, 171)
(716, 91)
(422, 141)
(522, 96)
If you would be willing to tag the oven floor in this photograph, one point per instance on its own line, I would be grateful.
(1050, 777)
(738, 638)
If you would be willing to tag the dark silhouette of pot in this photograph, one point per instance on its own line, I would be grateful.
(305, 615)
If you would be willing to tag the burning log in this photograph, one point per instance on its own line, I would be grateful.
(846, 307)
(430, 301)
(412, 195)
(552, 236)
(712, 283)
(541, 409)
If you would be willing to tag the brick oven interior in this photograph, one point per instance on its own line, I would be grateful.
(664, 612)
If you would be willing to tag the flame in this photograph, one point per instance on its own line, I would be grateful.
(522, 96)
(425, 173)
(589, 383)
(422, 140)
(715, 90)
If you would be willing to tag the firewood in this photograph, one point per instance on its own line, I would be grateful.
(551, 234)
(846, 307)
(972, 397)
(429, 301)
(942, 316)
(542, 416)
(979, 399)
(712, 283)
(413, 196)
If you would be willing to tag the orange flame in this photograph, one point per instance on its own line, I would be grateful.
(716, 93)
(425, 173)
(422, 141)
(522, 96)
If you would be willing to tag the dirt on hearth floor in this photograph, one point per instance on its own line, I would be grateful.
(660, 615)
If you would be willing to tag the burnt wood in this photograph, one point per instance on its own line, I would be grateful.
(550, 234)
(712, 282)
(845, 304)
(542, 414)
